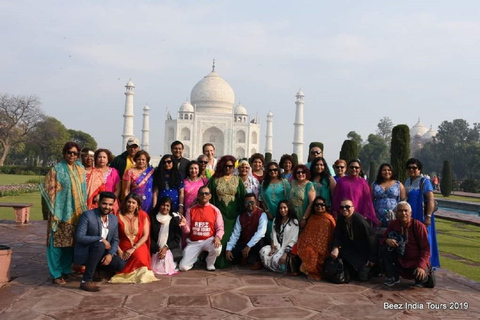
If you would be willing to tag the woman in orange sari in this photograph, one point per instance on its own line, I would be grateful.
(313, 241)
(95, 182)
(134, 246)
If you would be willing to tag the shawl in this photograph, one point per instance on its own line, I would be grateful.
(163, 233)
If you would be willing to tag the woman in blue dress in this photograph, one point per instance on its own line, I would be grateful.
(167, 182)
(322, 180)
(419, 196)
(387, 191)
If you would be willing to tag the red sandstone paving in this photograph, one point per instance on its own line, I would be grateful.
(233, 293)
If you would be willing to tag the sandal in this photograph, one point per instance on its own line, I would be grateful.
(59, 281)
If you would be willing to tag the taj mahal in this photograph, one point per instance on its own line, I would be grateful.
(211, 116)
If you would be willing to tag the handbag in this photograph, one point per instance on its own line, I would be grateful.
(335, 271)
(400, 239)
(435, 202)
(292, 264)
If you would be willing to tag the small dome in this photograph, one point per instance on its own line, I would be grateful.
(130, 84)
(213, 94)
(240, 110)
(186, 107)
(146, 107)
(427, 137)
(300, 93)
(419, 129)
(270, 114)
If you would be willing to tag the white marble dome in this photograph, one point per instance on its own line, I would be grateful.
(186, 107)
(419, 129)
(427, 137)
(213, 94)
(130, 84)
(240, 110)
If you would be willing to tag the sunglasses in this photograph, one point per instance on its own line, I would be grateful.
(203, 162)
(300, 172)
(249, 202)
(72, 153)
(273, 170)
(412, 168)
(347, 207)
(168, 161)
(354, 167)
(229, 166)
(339, 167)
(320, 204)
(204, 193)
(316, 152)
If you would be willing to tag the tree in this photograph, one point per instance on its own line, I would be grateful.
(447, 179)
(375, 150)
(48, 139)
(352, 135)
(83, 139)
(455, 142)
(18, 117)
(372, 172)
(384, 129)
(400, 150)
(349, 150)
(268, 157)
(295, 159)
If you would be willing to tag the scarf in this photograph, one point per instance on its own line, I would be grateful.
(163, 233)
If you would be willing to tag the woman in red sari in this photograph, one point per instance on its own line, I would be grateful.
(313, 242)
(134, 246)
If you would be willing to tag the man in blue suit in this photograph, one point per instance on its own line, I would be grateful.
(96, 241)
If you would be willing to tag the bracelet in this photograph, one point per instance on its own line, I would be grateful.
(180, 205)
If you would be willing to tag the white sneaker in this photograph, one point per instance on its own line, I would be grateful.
(210, 268)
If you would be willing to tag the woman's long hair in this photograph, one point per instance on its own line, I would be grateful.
(135, 197)
(324, 175)
(220, 172)
(159, 179)
(292, 215)
(379, 178)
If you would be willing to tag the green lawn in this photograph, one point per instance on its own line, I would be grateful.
(458, 198)
(15, 179)
(35, 211)
(459, 244)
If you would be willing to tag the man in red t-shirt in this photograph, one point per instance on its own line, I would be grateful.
(205, 231)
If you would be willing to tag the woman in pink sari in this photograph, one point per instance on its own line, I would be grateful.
(192, 183)
(95, 183)
(111, 178)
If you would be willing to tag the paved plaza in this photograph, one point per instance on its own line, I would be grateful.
(234, 293)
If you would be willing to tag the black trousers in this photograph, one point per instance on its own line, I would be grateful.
(393, 268)
(253, 255)
(96, 251)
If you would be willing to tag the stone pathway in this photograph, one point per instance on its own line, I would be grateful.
(235, 293)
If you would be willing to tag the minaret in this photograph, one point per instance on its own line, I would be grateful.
(269, 134)
(128, 115)
(146, 129)
(298, 125)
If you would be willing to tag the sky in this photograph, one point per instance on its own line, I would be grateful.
(355, 61)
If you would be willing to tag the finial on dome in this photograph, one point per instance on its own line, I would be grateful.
(213, 66)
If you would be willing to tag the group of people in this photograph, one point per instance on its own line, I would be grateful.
(135, 220)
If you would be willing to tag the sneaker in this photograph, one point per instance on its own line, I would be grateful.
(391, 281)
(89, 286)
(210, 268)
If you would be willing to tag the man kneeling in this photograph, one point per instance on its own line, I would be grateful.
(248, 235)
(409, 259)
(96, 241)
(205, 231)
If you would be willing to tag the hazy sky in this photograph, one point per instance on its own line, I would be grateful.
(355, 61)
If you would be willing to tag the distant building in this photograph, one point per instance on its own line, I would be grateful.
(419, 135)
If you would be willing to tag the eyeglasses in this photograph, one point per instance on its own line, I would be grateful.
(229, 166)
(300, 172)
(249, 202)
(72, 153)
(339, 167)
(204, 193)
(347, 207)
(320, 204)
(412, 168)
(203, 162)
(273, 170)
(316, 152)
(355, 167)
(168, 161)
